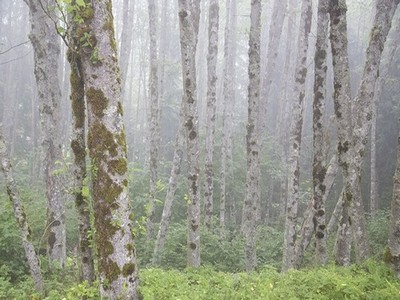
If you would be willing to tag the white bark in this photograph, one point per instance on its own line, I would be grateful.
(274, 37)
(295, 138)
(189, 14)
(319, 165)
(213, 25)
(227, 198)
(154, 117)
(117, 269)
(46, 44)
(252, 139)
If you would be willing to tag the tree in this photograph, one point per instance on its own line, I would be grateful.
(46, 45)
(154, 116)
(169, 198)
(392, 254)
(319, 165)
(295, 137)
(189, 14)
(229, 79)
(107, 149)
(361, 124)
(213, 25)
(20, 216)
(341, 74)
(78, 146)
(252, 139)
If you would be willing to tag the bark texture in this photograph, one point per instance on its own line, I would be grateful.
(212, 56)
(319, 165)
(227, 198)
(78, 146)
(252, 139)
(46, 45)
(296, 127)
(117, 267)
(154, 139)
(20, 217)
(189, 14)
(342, 104)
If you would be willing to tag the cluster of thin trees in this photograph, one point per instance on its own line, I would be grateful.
(100, 86)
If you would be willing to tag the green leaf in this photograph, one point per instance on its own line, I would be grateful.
(81, 3)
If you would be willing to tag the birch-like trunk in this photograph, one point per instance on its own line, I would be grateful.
(274, 37)
(126, 41)
(153, 118)
(46, 45)
(252, 140)
(227, 198)
(308, 226)
(387, 59)
(170, 197)
(20, 217)
(392, 254)
(319, 165)
(117, 267)
(189, 14)
(212, 56)
(295, 138)
(342, 104)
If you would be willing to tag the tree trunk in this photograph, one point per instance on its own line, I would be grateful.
(227, 198)
(319, 165)
(189, 14)
(170, 197)
(46, 45)
(342, 104)
(154, 117)
(295, 138)
(307, 228)
(213, 25)
(78, 146)
(20, 216)
(108, 153)
(275, 33)
(392, 254)
(386, 62)
(252, 140)
(363, 104)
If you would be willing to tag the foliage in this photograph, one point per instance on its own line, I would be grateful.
(368, 281)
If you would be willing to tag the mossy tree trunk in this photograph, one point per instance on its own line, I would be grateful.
(46, 45)
(108, 152)
(342, 104)
(213, 25)
(319, 165)
(252, 140)
(20, 217)
(189, 14)
(78, 146)
(296, 127)
(154, 118)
